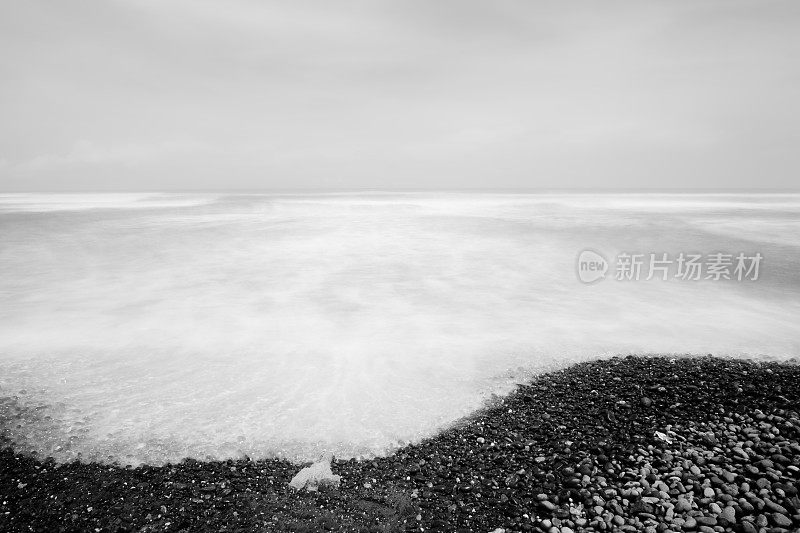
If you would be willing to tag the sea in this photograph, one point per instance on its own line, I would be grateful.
(148, 328)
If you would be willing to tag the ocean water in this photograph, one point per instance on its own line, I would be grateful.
(152, 327)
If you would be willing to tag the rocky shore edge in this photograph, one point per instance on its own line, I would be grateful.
(653, 444)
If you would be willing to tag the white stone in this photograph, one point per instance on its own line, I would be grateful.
(315, 476)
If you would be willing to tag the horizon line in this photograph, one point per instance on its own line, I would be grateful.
(374, 190)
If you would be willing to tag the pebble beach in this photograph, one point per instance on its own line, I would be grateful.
(655, 444)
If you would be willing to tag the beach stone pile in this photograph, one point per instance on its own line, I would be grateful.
(654, 444)
(636, 444)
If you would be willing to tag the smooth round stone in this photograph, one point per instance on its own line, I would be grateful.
(781, 520)
(729, 514)
(748, 527)
(709, 521)
(682, 505)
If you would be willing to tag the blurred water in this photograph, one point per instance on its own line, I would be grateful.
(148, 328)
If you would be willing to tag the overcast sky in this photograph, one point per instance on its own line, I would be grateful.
(201, 94)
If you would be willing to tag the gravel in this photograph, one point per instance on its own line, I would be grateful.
(650, 444)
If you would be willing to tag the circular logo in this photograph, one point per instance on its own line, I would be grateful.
(591, 266)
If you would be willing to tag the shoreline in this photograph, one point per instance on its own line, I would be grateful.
(641, 443)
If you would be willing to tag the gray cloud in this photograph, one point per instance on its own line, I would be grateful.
(146, 94)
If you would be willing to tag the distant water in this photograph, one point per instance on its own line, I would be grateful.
(148, 328)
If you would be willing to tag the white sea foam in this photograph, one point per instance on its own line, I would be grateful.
(38, 203)
(292, 325)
